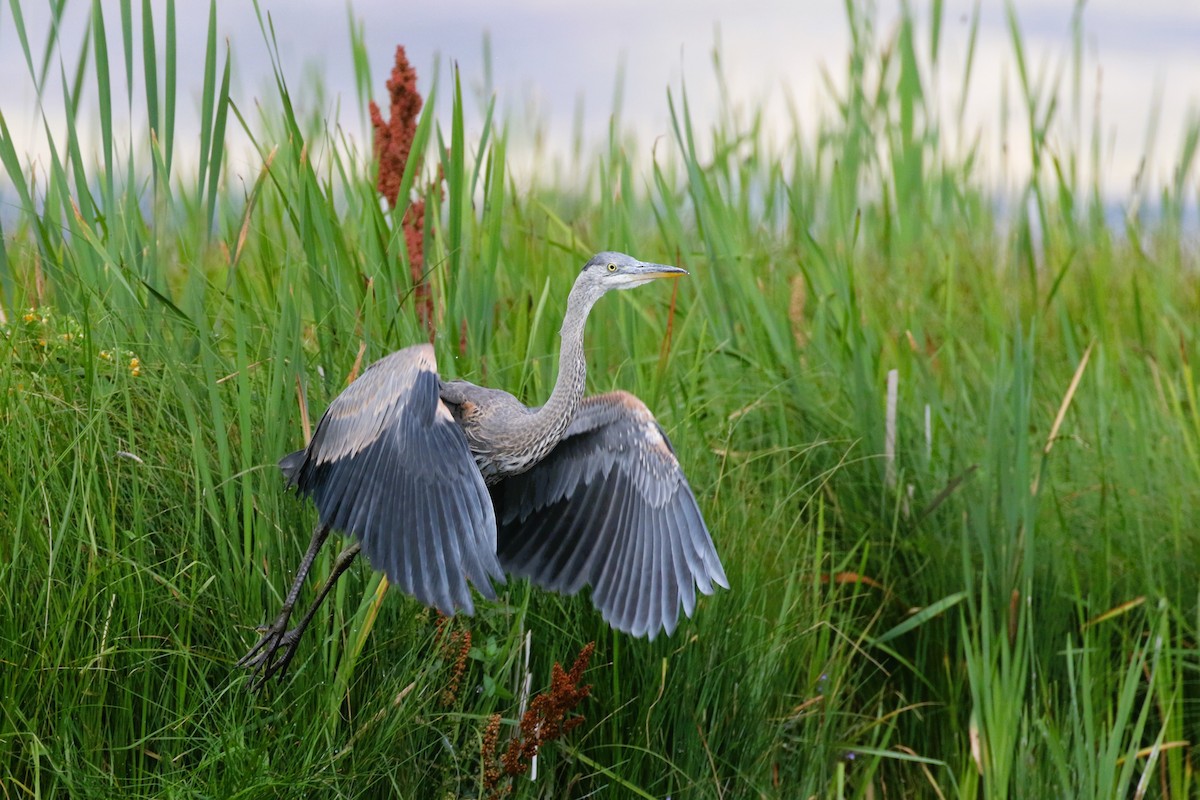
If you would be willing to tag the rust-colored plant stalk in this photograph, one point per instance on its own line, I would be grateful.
(394, 138)
(545, 720)
(491, 765)
(393, 144)
(453, 645)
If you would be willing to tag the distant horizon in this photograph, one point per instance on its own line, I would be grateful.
(554, 70)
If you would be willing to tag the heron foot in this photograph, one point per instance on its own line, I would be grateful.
(264, 660)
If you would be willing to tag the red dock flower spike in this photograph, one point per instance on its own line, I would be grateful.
(394, 138)
(545, 720)
(393, 144)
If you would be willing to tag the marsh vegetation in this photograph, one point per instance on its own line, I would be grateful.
(988, 581)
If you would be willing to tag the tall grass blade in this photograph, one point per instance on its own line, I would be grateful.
(103, 100)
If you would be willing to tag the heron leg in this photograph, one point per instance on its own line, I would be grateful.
(262, 657)
(269, 642)
(292, 638)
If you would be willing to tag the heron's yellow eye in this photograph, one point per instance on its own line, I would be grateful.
(612, 267)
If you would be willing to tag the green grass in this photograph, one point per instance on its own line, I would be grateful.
(1022, 577)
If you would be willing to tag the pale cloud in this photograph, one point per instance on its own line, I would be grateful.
(549, 57)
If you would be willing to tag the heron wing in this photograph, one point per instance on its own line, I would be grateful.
(389, 466)
(610, 507)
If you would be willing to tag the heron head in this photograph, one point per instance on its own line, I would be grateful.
(609, 270)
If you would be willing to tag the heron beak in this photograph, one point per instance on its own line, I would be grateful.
(651, 271)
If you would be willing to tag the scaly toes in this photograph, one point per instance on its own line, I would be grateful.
(265, 661)
(255, 654)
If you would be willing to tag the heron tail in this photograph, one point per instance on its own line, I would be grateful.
(290, 465)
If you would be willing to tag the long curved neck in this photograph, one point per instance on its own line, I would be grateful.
(554, 417)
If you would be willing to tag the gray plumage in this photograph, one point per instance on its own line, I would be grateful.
(389, 466)
(609, 507)
(441, 483)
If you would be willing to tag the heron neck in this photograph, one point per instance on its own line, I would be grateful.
(559, 410)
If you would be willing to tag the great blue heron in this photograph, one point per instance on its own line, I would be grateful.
(441, 482)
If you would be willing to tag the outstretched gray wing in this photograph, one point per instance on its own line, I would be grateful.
(389, 466)
(610, 507)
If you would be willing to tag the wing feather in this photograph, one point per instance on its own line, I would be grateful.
(683, 571)
(609, 507)
(610, 579)
(641, 587)
(624, 583)
(432, 572)
(693, 553)
(658, 572)
(578, 563)
(636, 588)
(389, 466)
(673, 581)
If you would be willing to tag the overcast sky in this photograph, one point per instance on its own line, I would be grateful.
(548, 57)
